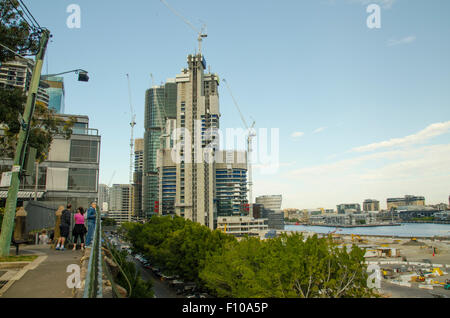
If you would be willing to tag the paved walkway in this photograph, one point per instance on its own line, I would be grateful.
(46, 277)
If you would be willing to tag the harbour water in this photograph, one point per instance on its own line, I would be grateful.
(405, 230)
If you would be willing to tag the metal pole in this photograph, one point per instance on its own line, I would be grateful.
(36, 181)
(11, 202)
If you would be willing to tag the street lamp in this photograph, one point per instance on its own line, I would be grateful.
(82, 75)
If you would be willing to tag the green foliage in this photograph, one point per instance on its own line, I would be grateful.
(19, 258)
(139, 287)
(45, 124)
(176, 245)
(109, 222)
(14, 32)
(424, 219)
(287, 267)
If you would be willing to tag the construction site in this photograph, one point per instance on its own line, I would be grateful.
(409, 267)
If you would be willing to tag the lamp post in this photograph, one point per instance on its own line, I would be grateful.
(11, 201)
(7, 225)
(82, 75)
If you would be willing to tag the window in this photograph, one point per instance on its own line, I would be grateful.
(84, 150)
(82, 179)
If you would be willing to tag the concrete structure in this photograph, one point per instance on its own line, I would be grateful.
(197, 111)
(348, 208)
(103, 197)
(119, 203)
(371, 205)
(270, 202)
(240, 226)
(17, 74)
(407, 200)
(71, 171)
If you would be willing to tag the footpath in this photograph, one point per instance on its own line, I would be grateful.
(45, 277)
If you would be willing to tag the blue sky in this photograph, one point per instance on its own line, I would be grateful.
(311, 68)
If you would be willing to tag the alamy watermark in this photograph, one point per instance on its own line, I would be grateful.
(374, 19)
(74, 279)
(204, 146)
(374, 279)
(74, 19)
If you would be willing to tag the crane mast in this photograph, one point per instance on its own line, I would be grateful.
(251, 135)
(132, 124)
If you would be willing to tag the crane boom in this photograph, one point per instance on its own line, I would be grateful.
(201, 34)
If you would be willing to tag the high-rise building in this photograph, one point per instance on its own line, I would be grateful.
(370, 205)
(160, 105)
(231, 184)
(56, 93)
(137, 178)
(406, 201)
(270, 202)
(17, 73)
(119, 203)
(197, 111)
(103, 197)
(187, 181)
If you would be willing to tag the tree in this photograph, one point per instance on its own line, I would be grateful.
(109, 222)
(15, 32)
(130, 277)
(287, 267)
(45, 124)
(185, 251)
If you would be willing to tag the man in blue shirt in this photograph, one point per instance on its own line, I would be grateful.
(91, 217)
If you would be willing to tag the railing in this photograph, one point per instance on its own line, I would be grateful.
(94, 282)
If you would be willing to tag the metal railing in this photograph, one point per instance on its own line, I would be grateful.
(94, 283)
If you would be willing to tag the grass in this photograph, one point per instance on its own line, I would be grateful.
(20, 258)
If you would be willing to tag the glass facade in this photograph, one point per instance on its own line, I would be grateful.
(231, 192)
(84, 150)
(82, 179)
(160, 103)
(56, 94)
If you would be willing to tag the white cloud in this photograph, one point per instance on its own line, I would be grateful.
(318, 130)
(297, 134)
(405, 40)
(422, 171)
(429, 132)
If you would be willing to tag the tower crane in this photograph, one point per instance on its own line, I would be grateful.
(110, 180)
(132, 124)
(251, 135)
(201, 33)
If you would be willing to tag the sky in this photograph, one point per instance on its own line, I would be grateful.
(361, 113)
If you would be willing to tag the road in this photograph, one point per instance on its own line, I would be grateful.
(397, 291)
(160, 288)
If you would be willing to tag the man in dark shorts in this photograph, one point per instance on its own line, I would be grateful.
(64, 227)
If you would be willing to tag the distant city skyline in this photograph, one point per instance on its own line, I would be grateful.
(363, 113)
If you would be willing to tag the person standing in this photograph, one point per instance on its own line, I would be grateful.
(43, 238)
(64, 227)
(91, 216)
(79, 229)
